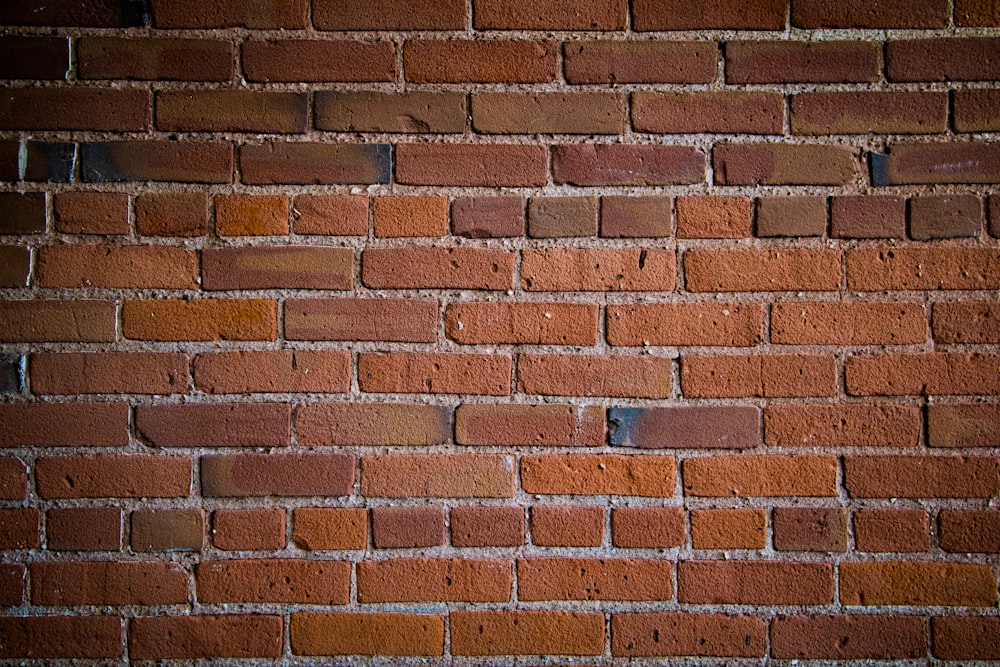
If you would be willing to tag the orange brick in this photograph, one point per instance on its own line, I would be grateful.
(647, 527)
(113, 476)
(766, 476)
(441, 373)
(374, 424)
(921, 476)
(923, 374)
(317, 528)
(761, 270)
(172, 214)
(681, 324)
(375, 634)
(410, 216)
(598, 270)
(205, 636)
(526, 633)
(522, 323)
(595, 375)
(379, 319)
(593, 579)
(248, 529)
(740, 528)
(273, 580)
(117, 267)
(434, 580)
(855, 425)
(437, 475)
(437, 268)
(922, 268)
(53, 320)
(917, 583)
(529, 425)
(754, 582)
(892, 531)
(109, 373)
(776, 376)
(567, 525)
(599, 474)
(251, 215)
(277, 371)
(331, 215)
(848, 323)
(216, 319)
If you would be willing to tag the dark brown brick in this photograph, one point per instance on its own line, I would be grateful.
(78, 424)
(917, 583)
(869, 112)
(549, 113)
(74, 109)
(403, 320)
(138, 160)
(480, 61)
(567, 525)
(802, 62)
(12, 588)
(754, 582)
(785, 164)
(287, 267)
(91, 212)
(22, 213)
(921, 476)
(593, 579)
(925, 14)
(488, 217)
(621, 164)
(976, 110)
(110, 14)
(421, 267)
(298, 474)
(636, 217)
(331, 215)
(945, 216)
(30, 57)
(389, 15)
(318, 61)
(364, 633)
(154, 58)
(559, 217)
(19, 528)
(15, 265)
(735, 112)
(113, 476)
(969, 531)
(645, 61)
(791, 216)
(434, 579)
(492, 165)
(966, 637)
(84, 529)
(267, 371)
(410, 112)
(13, 479)
(691, 427)
(707, 15)
(205, 636)
(168, 530)
(912, 164)
(132, 266)
(215, 425)
(39, 161)
(943, 59)
(108, 583)
(275, 14)
(68, 373)
(810, 529)
(963, 425)
(315, 163)
(843, 637)
(231, 111)
(77, 637)
(529, 425)
(648, 527)
(868, 216)
(550, 15)
(405, 527)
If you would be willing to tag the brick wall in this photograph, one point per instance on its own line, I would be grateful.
(662, 329)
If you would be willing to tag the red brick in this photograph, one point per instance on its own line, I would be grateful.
(838, 425)
(963, 425)
(153, 58)
(762, 476)
(976, 110)
(595, 375)
(864, 112)
(923, 374)
(966, 322)
(868, 217)
(403, 527)
(117, 267)
(389, 15)
(31, 57)
(13, 479)
(315, 163)
(22, 213)
(777, 376)
(215, 425)
(285, 580)
(410, 216)
(647, 527)
(966, 638)
(759, 269)
(562, 217)
(810, 529)
(713, 217)
(549, 113)
(708, 112)
(437, 476)
(64, 424)
(754, 582)
(942, 59)
(12, 591)
(917, 583)
(567, 525)
(892, 531)
(40, 161)
(488, 217)
(685, 427)
(480, 61)
(846, 323)
(687, 634)
(156, 160)
(172, 214)
(826, 61)
(739, 528)
(550, 15)
(108, 583)
(969, 531)
(489, 526)
(409, 112)
(598, 270)
(437, 268)
(844, 637)
(376, 424)
(285, 267)
(382, 319)
(275, 14)
(250, 215)
(434, 373)
(434, 580)
(19, 529)
(204, 319)
(921, 476)
(330, 528)
(599, 474)
(296, 474)
(84, 529)
(529, 425)
(985, 13)
(281, 371)
(522, 323)
(926, 14)
(958, 162)
(622, 164)
(593, 579)
(15, 266)
(168, 530)
(116, 110)
(707, 15)
(636, 216)
(61, 637)
(487, 165)
(204, 636)
(923, 268)
(943, 217)
(113, 476)
(231, 111)
(331, 215)
(248, 529)
(91, 212)
(635, 61)
(316, 61)
(45, 320)
(785, 164)
(375, 633)
(682, 324)
(109, 373)
(527, 633)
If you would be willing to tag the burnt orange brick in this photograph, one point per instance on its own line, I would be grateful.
(30, 57)
(61, 637)
(681, 324)
(834, 425)
(487, 165)
(139, 160)
(754, 582)
(810, 529)
(942, 59)
(892, 531)
(966, 638)
(921, 476)
(410, 216)
(109, 373)
(522, 323)
(275, 14)
(650, 15)
(647, 527)
(526, 633)
(313, 163)
(567, 525)
(561, 217)
(118, 110)
(434, 373)
(635, 61)
(925, 14)
(777, 376)
(154, 58)
(707, 112)
(791, 216)
(113, 476)
(15, 266)
(63, 425)
(976, 110)
(215, 425)
(12, 589)
(375, 424)
(922, 268)
(437, 268)
(965, 531)
(282, 371)
(918, 374)
(53, 320)
(330, 528)
(843, 637)
(108, 583)
(968, 425)
(550, 15)
(686, 427)
(172, 214)
(593, 579)
(117, 267)
(622, 164)
(331, 215)
(402, 527)
(437, 476)
(943, 217)
(489, 526)
(204, 636)
(305, 60)
(762, 270)
(251, 215)
(868, 217)
(285, 267)
(965, 162)
(409, 112)
(595, 375)
(529, 425)
(388, 15)
(864, 112)
(713, 217)
(168, 530)
(216, 319)
(802, 62)
(13, 479)
(488, 217)
(785, 164)
(636, 217)
(381, 319)
(917, 583)
(687, 634)
(765, 476)
(248, 529)
(548, 113)
(376, 633)
(434, 579)
(284, 580)
(91, 212)
(480, 61)
(845, 323)
(598, 270)
(298, 474)
(231, 111)
(599, 474)
(739, 528)
(967, 322)
(19, 529)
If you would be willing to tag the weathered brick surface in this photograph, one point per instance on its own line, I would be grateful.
(227, 635)
(917, 583)
(754, 582)
(366, 633)
(273, 580)
(567, 526)
(527, 633)
(298, 474)
(422, 579)
(845, 637)
(893, 531)
(687, 634)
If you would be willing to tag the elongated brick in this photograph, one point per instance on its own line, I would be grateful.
(297, 474)
(367, 633)
(437, 476)
(376, 424)
(529, 425)
(688, 427)
(599, 474)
